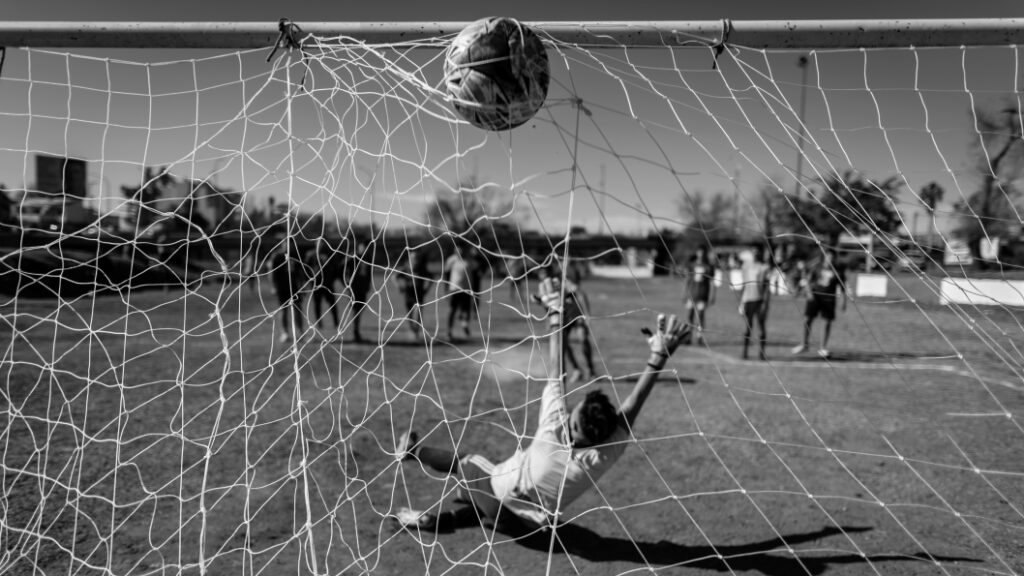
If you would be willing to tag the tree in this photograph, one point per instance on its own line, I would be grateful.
(709, 220)
(848, 202)
(989, 211)
(485, 215)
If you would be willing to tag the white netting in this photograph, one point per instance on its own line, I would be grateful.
(167, 411)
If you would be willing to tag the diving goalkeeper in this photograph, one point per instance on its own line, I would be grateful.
(568, 454)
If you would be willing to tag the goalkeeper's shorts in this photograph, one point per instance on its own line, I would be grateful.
(476, 484)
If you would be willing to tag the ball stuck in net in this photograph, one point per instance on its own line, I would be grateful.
(496, 70)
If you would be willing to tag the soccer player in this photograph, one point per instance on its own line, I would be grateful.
(322, 265)
(822, 284)
(413, 278)
(571, 450)
(289, 279)
(459, 285)
(516, 268)
(699, 289)
(574, 317)
(754, 301)
(357, 278)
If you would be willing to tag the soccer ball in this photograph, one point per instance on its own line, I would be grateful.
(496, 70)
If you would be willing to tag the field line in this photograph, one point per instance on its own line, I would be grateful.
(711, 357)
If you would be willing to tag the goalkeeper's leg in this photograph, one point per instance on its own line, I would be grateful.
(478, 504)
(445, 461)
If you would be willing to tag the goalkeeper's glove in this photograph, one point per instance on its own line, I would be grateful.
(663, 343)
(550, 295)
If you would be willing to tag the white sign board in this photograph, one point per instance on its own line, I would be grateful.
(981, 292)
(871, 286)
(621, 271)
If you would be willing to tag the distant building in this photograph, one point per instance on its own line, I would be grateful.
(61, 177)
(56, 201)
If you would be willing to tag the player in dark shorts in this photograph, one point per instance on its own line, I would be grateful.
(289, 279)
(413, 279)
(822, 284)
(323, 268)
(699, 290)
(357, 278)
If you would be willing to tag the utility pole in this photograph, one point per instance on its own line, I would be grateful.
(802, 63)
(736, 196)
(603, 215)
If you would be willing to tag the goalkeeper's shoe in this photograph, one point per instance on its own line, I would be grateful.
(407, 445)
(409, 518)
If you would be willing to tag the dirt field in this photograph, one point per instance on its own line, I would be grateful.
(164, 433)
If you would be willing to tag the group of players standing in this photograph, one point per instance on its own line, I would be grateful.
(316, 275)
(822, 284)
(295, 276)
(349, 263)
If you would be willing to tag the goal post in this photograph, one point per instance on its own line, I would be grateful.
(232, 282)
(769, 34)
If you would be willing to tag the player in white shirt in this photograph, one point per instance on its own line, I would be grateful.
(571, 450)
(754, 301)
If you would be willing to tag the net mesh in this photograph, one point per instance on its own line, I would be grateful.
(227, 292)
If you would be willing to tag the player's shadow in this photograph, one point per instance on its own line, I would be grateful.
(769, 557)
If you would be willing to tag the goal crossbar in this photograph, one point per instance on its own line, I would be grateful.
(776, 34)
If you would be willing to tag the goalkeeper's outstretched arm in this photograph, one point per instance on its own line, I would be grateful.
(663, 343)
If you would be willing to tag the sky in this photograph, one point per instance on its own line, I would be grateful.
(653, 136)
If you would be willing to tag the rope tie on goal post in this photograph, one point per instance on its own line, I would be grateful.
(719, 45)
(290, 36)
(3, 56)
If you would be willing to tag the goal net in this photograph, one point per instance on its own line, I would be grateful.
(230, 285)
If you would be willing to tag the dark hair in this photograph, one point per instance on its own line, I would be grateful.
(598, 417)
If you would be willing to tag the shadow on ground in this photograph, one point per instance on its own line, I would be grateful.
(769, 557)
(838, 356)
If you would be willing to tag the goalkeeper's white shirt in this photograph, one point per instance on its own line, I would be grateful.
(539, 482)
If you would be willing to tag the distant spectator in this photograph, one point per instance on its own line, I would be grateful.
(357, 280)
(413, 278)
(798, 276)
(286, 273)
(574, 319)
(458, 284)
(324, 267)
(516, 268)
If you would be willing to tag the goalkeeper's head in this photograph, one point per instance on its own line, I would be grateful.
(592, 421)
